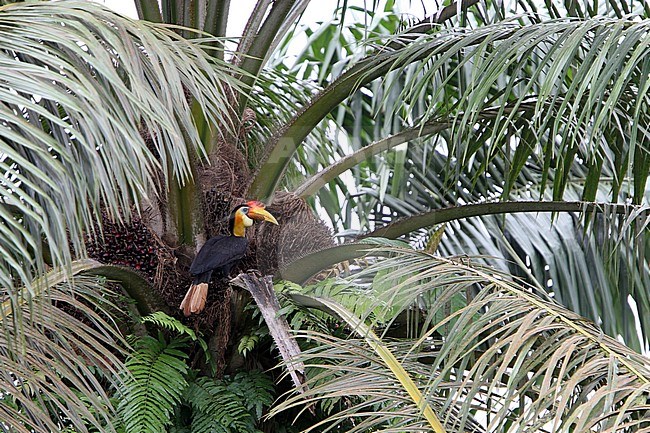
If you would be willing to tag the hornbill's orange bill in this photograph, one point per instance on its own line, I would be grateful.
(221, 253)
(257, 211)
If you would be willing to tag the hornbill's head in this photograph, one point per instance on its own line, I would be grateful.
(243, 215)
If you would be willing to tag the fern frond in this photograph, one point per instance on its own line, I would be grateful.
(158, 379)
(232, 405)
(165, 321)
(162, 320)
(217, 409)
(254, 388)
(247, 343)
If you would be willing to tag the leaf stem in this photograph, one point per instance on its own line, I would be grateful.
(406, 225)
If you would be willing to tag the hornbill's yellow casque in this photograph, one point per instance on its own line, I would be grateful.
(221, 253)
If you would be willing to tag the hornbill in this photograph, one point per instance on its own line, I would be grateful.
(221, 253)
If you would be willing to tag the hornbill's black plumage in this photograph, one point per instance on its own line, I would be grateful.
(220, 253)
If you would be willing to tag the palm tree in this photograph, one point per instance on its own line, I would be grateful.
(126, 143)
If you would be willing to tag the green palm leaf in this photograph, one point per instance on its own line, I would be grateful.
(388, 359)
(506, 359)
(57, 351)
(557, 61)
(95, 114)
(80, 86)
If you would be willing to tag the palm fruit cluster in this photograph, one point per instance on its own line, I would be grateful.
(124, 244)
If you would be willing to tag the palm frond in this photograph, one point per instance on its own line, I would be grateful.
(59, 352)
(388, 359)
(80, 88)
(453, 76)
(554, 252)
(583, 108)
(542, 248)
(411, 224)
(508, 358)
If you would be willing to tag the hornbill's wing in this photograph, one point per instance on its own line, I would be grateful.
(217, 252)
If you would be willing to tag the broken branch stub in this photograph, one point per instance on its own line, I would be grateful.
(261, 288)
